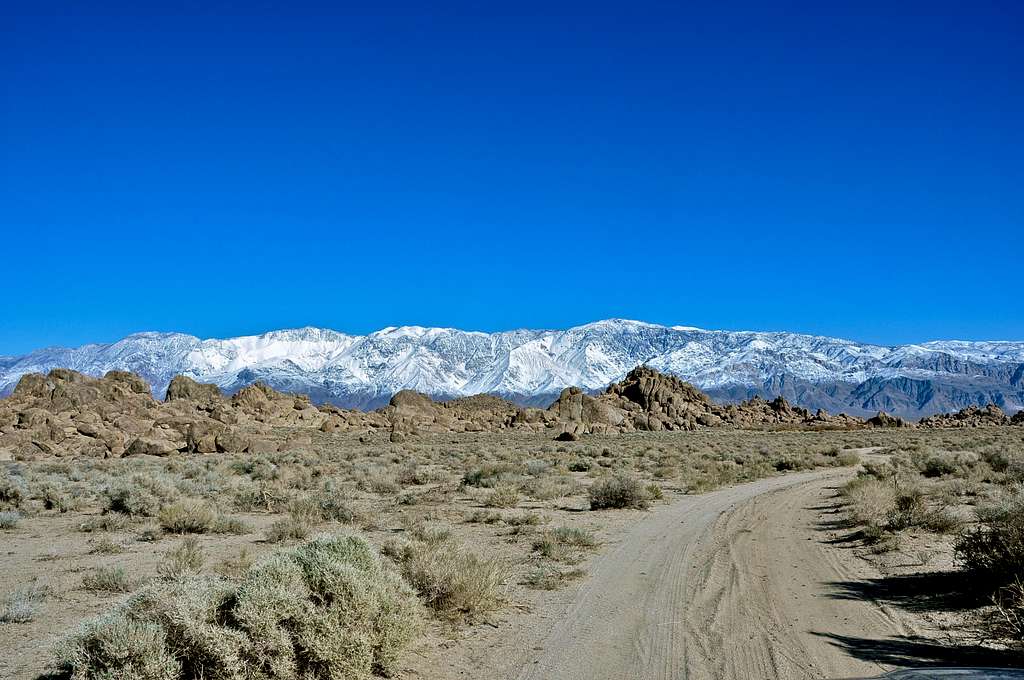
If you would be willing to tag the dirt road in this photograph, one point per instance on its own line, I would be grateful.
(730, 584)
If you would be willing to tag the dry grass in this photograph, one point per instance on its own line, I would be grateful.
(187, 517)
(503, 496)
(9, 519)
(994, 548)
(564, 544)
(192, 516)
(551, 577)
(22, 604)
(113, 579)
(184, 559)
(451, 579)
(292, 527)
(483, 514)
(966, 484)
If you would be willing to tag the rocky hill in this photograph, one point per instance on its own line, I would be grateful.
(532, 367)
(972, 416)
(649, 400)
(66, 413)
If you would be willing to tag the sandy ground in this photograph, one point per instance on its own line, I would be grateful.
(751, 581)
(738, 583)
(52, 552)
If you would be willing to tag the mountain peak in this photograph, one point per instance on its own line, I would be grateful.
(619, 323)
(533, 366)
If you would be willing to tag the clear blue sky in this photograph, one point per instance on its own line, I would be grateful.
(853, 169)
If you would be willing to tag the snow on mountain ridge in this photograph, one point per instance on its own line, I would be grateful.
(524, 363)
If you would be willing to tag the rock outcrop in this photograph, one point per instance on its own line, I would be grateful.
(883, 419)
(644, 400)
(67, 413)
(757, 412)
(411, 412)
(972, 416)
(184, 388)
(648, 400)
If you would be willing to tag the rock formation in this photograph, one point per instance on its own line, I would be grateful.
(648, 400)
(883, 419)
(184, 388)
(972, 416)
(757, 412)
(67, 413)
(643, 400)
(411, 412)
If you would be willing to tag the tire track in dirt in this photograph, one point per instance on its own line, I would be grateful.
(730, 584)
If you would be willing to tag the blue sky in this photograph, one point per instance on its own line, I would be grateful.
(851, 169)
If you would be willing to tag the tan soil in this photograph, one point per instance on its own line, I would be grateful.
(731, 584)
(751, 581)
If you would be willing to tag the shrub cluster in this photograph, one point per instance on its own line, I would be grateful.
(140, 495)
(9, 519)
(878, 503)
(14, 491)
(451, 579)
(328, 609)
(503, 496)
(114, 579)
(992, 554)
(618, 491)
(995, 548)
(563, 543)
(191, 516)
(22, 604)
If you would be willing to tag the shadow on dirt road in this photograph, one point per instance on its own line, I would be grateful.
(913, 652)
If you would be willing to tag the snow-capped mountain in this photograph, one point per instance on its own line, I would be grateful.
(532, 366)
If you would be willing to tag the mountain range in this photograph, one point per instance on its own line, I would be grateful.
(532, 366)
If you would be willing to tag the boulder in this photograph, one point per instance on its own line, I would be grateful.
(231, 442)
(89, 428)
(225, 415)
(411, 411)
(73, 396)
(255, 398)
(86, 447)
(262, 445)
(202, 435)
(130, 424)
(150, 446)
(34, 386)
(130, 381)
(34, 417)
(569, 405)
(46, 447)
(332, 423)
(182, 387)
